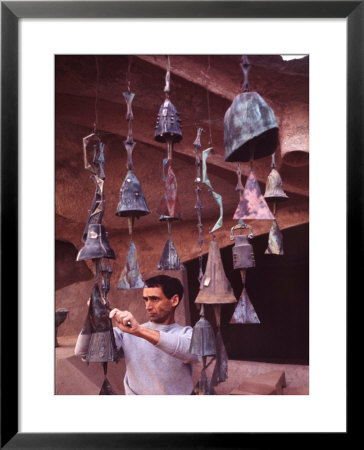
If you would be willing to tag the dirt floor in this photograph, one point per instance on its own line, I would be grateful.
(75, 377)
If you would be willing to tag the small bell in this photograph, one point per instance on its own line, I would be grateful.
(168, 126)
(203, 339)
(169, 207)
(275, 240)
(130, 277)
(243, 255)
(96, 245)
(170, 259)
(252, 204)
(244, 311)
(131, 200)
(215, 288)
(274, 187)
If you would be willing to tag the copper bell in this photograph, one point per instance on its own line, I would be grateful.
(169, 207)
(203, 339)
(96, 245)
(170, 259)
(244, 311)
(252, 204)
(215, 288)
(243, 255)
(168, 126)
(249, 123)
(131, 200)
(130, 277)
(274, 187)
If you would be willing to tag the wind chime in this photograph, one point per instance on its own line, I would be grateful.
(250, 132)
(131, 201)
(168, 130)
(102, 347)
(274, 193)
(215, 288)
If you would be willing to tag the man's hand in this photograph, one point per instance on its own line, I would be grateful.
(121, 319)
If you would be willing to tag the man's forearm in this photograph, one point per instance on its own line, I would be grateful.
(151, 336)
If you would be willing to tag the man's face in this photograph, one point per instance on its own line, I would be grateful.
(159, 308)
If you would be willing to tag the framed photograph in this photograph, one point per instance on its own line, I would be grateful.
(49, 50)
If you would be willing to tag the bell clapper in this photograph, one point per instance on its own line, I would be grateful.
(243, 276)
(131, 224)
(169, 225)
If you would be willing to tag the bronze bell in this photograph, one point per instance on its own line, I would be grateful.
(203, 339)
(102, 347)
(274, 187)
(169, 207)
(131, 200)
(252, 204)
(215, 288)
(168, 126)
(170, 259)
(96, 245)
(130, 277)
(250, 128)
(243, 255)
(244, 311)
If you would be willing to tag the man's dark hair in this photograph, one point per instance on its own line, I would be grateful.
(169, 285)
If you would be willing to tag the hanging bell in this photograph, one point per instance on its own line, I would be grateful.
(215, 288)
(203, 339)
(102, 347)
(275, 240)
(169, 207)
(130, 277)
(243, 255)
(274, 187)
(170, 259)
(168, 126)
(244, 311)
(131, 200)
(96, 245)
(249, 124)
(252, 204)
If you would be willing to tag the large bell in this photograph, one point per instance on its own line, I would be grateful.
(215, 288)
(244, 311)
(131, 200)
(96, 245)
(169, 207)
(168, 126)
(275, 240)
(130, 277)
(203, 339)
(274, 187)
(102, 347)
(252, 204)
(170, 259)
(250, 128)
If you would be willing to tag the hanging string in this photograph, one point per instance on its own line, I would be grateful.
(130, 59)
(96, 93)
(208, 99)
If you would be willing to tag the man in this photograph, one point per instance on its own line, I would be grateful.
(156, 353)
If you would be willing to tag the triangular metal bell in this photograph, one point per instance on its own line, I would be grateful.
(96, 245)
(252, 204)
(130, 277)
(131, 201)
(250, 128)
(215, 288)
(274, 187)
(275, 240)
(244, 311)
(170, 259)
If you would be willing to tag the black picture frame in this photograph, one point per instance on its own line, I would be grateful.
(11, 12)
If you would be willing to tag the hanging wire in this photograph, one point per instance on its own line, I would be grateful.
(208, 99)
(96, 93)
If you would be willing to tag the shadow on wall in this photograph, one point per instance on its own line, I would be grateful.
(68, 270)
(278, 288)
